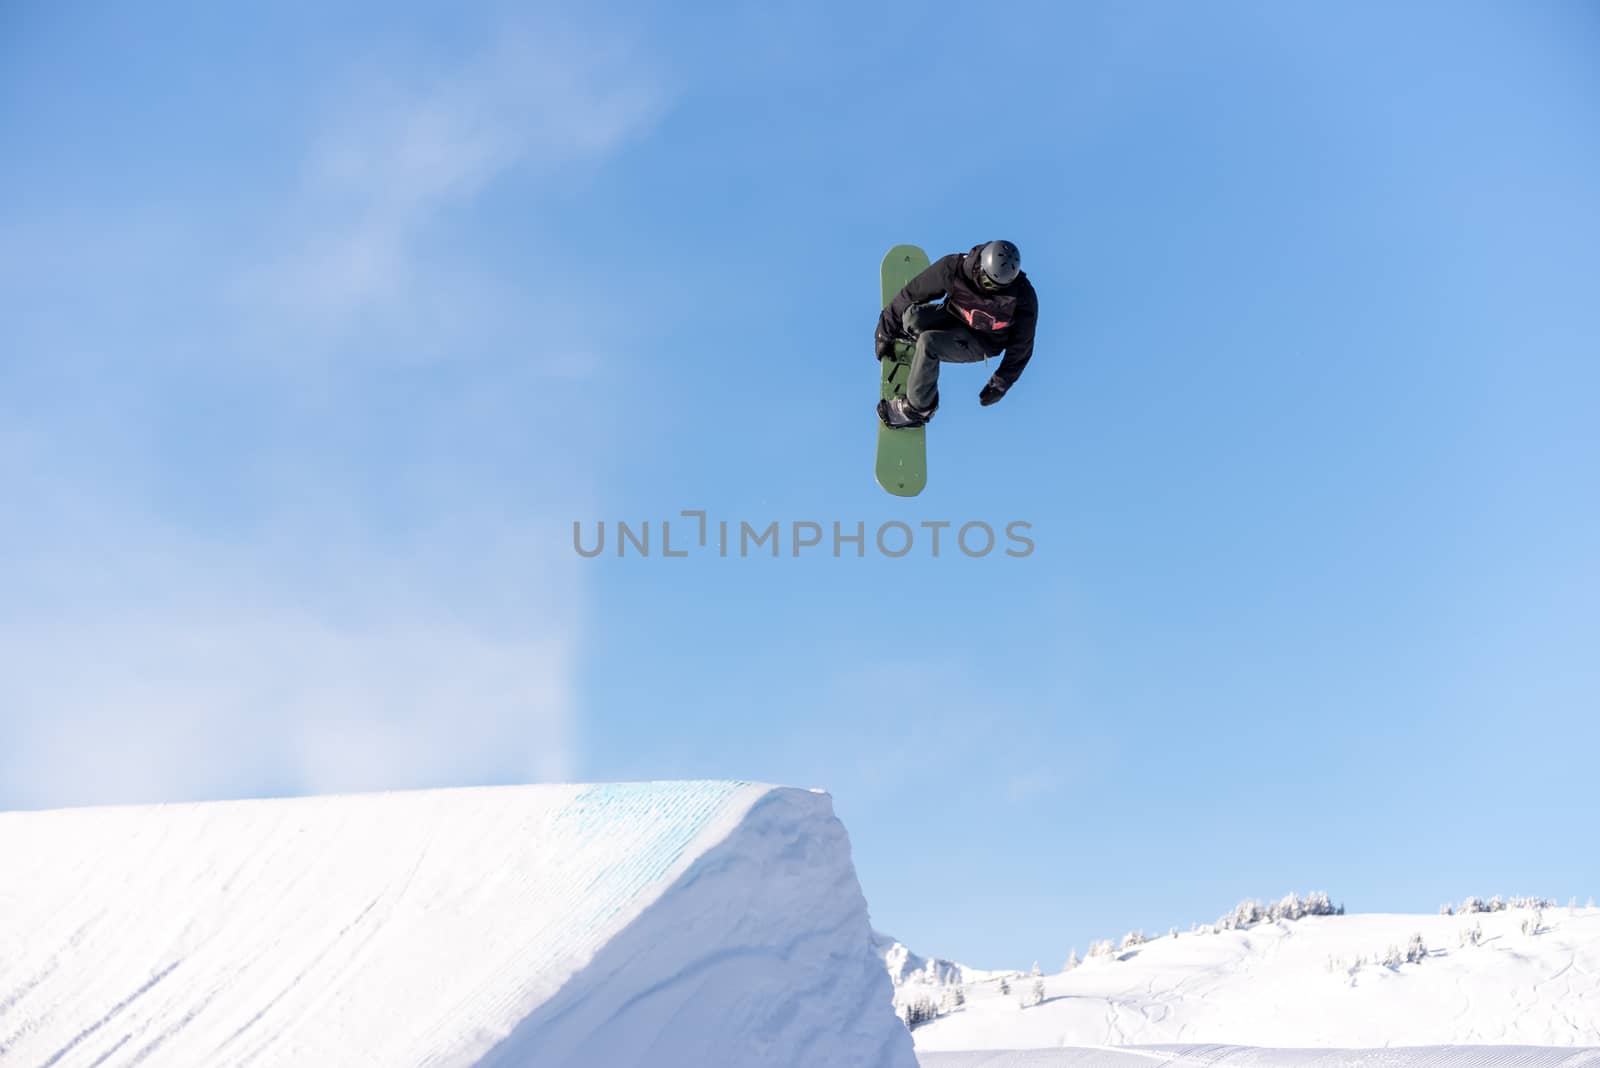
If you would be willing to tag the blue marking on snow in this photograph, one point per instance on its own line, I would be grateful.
(668, 816)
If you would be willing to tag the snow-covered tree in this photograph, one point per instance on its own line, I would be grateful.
(1471, 936)
(1172, 933)
(1417, 950)
(954, 997)
(1534, 924)
(1338, 965)
(1290, 907)
(1005, 987)
(1036, 993)
(1036, 972)
(1447, 910)
(919, 1012)
(1317, 904)
(1072, 960)
(1131, 939)
(1287, 908)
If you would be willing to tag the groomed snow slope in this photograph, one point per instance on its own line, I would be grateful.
(1313, 982)
(1244, 1057)
(658, 924)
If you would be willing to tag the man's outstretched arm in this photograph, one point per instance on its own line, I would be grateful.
(1019, 350)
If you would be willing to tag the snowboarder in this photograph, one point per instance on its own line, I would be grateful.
(989, 306)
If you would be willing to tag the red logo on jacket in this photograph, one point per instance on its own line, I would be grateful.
(979, 319)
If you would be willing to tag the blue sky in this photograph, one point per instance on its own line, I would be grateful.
(319, 330)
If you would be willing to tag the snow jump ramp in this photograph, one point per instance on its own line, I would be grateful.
(662, 924)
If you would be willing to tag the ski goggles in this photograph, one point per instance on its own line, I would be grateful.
(988, 283)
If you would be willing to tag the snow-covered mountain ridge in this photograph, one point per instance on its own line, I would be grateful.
(906, 967)
(1523, 971)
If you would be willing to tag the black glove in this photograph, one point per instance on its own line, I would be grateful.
(993, 391)
(882, 344)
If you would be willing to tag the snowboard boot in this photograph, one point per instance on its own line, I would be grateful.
(900, 414)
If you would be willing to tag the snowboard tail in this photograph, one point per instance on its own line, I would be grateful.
(902, 463)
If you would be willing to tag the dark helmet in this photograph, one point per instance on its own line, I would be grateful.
(999, 264)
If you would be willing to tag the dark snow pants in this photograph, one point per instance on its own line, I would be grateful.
(941, 338)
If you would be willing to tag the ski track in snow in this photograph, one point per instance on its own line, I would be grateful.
(111, 1015)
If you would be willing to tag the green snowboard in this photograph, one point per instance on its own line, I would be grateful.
(902, 466)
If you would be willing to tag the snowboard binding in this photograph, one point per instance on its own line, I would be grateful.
(898, 413)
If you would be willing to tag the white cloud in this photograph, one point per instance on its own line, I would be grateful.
(160, 706)
(176, 668)
(371, 621)
(399, 155)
